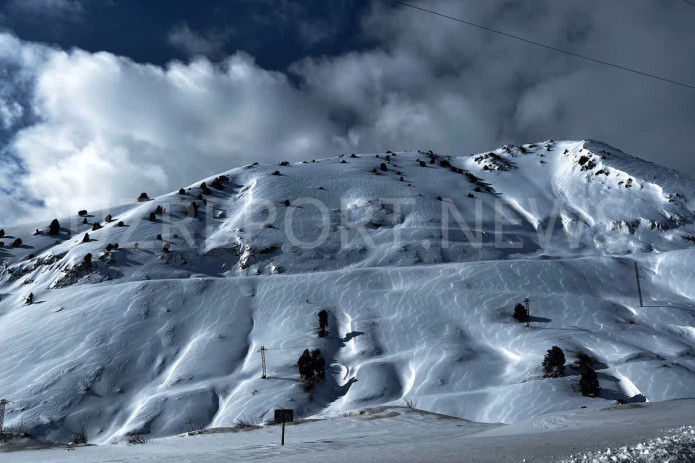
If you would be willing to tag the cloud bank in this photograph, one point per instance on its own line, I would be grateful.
(88, 130)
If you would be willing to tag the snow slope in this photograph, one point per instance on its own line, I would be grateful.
(161, 342)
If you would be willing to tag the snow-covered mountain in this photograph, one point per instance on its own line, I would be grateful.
(419, 259)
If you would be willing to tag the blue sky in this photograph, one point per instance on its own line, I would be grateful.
(100, 99)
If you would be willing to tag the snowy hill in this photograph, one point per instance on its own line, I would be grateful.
(419, 259)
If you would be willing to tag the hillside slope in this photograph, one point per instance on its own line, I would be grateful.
(419, 259)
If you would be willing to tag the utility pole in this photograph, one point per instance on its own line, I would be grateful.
(528, 312)
(262, 351)
(639, 285)
(3, 402)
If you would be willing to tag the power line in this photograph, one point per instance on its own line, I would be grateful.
(549, 47)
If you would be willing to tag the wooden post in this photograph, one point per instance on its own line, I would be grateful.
(282, 441)
(639, 285)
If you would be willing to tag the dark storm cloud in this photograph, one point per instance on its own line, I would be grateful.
(110, 126)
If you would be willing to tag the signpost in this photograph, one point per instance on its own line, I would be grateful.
(284, 416)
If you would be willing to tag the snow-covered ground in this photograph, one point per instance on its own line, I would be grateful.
(394, 434)
(161, 342)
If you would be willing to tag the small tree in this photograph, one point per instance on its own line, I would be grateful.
(182, 191)
(82, 213)
(153, 217)
(85, 238)
(520, 313)
(305, 366)
(54, 227)
(383, 167)
(143, 197)
(96, 226)
(588, 383)
(17, 243)
(30, 299)
(554, 363)
(87, 260)
(120, 224)
(2, 232)
(108, 218)
(323, 323)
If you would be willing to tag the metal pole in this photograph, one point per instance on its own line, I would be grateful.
(262, 351)
(282, 441)
(528, 312)
(639, 285)
(3, 402)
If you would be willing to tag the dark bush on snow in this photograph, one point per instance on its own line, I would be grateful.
(143, 197)
(82, 213)
(96, 226)
(85, 238)
(108, 218)
(30, 299)
(182, 191)
(159, 237)
(153, 217)
(323, 323)
(54, 227)
(2, 244)
(120, 224)
(284, 163)
(84, 221)
(445, 163)
(286, 202)
(312, 368)
(276, 172)
(554, 363)
(422, 164)
(383, 167)
(353, 155)
(87, 260)
(520, 314)
(588, 383)
(2, 232)
(17, 243)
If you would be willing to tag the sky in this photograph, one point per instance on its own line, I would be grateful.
(103, 99)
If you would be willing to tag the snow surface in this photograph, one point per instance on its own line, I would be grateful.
(158, 342)
(393, 434)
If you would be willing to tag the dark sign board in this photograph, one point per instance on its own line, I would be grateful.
(284, 415)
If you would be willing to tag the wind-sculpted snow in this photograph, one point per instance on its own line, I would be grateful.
(161, 334)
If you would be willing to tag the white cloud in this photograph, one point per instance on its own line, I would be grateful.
(109, 128)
